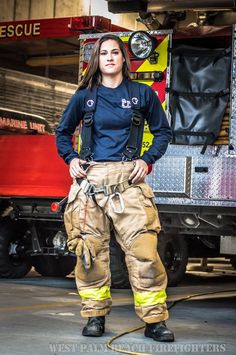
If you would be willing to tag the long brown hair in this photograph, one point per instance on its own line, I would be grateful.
(92, 76)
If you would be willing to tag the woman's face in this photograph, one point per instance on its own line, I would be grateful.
(110, 58)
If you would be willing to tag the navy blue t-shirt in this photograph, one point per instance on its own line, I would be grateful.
(112, 122)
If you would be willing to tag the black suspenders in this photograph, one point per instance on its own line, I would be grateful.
(90, 107)
(131, 150)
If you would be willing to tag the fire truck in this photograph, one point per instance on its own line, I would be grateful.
(192, 70)
(35, 86)
(194, 183)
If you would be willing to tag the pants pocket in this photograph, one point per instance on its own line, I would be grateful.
(72, 211)
(147, 201)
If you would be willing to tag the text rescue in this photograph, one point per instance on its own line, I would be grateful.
(19, 30)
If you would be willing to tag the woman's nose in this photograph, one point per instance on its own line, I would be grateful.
(109, 56)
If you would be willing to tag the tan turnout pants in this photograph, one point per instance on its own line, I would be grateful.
(136, 230)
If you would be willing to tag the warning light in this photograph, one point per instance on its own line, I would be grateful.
(55, 207)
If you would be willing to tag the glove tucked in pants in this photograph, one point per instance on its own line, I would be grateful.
(136, 230)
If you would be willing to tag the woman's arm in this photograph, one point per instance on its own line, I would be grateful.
(159, 127)
(70, 119)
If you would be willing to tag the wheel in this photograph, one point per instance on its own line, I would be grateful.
(12, 265)
(233, 261)
(173, 252)
(119, 272)
(48, 265)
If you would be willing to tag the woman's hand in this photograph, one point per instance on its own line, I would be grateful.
(139, 172)
(76, 169)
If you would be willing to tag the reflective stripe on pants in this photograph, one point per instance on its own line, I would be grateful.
(96, 294)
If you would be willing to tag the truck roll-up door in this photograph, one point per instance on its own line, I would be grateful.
(34, 94)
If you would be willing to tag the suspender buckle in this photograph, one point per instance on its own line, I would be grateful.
(88, 119)
(129, 153)
(137, 117)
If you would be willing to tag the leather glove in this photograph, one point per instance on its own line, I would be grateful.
(83, 249)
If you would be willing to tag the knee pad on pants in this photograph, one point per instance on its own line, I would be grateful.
(146, 268)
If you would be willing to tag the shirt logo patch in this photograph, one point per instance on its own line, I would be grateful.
(134, 100)
(127, 104)
(90, 103)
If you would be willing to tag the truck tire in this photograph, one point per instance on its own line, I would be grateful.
(173, 252)
(48, 265)
(11, 267)
(233, 261)
(119, 272)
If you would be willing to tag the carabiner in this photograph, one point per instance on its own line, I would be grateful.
(122, 206)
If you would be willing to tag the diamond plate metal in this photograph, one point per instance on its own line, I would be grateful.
(218, 183)
(172, 177)
(175, 181)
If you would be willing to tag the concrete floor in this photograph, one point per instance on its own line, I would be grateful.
(40, 316)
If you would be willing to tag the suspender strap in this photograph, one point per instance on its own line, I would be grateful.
(90, 106)
(131, 150)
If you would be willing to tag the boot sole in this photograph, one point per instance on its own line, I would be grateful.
(92, 334)
(163, 338)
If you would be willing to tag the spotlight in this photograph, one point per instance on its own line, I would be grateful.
(142, 44)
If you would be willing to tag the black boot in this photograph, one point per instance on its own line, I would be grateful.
(95, 327)
(159, 332)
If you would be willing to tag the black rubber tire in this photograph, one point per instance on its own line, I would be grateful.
(10, 267)
(119, 272)
(233, 261)
(48, 265)
(173, 252)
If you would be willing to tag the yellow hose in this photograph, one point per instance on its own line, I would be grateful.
(186, 298)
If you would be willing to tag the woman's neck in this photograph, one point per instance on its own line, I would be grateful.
(111, 81)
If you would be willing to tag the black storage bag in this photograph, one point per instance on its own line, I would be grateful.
(199, 93)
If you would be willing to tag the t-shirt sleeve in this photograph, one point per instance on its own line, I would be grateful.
(158, 125)
(70, 119)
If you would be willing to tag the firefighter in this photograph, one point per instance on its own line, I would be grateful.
(108, 187)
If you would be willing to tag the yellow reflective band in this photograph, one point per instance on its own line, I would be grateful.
(96, 294)
(145, 299)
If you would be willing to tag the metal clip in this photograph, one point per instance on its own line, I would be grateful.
(122, 206)
(87, 187)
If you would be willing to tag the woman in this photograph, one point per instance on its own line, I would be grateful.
(109, 190)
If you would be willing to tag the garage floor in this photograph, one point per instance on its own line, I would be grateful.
(40, 316)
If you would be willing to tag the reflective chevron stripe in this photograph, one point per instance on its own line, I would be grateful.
(145, 299)
(96, 294)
